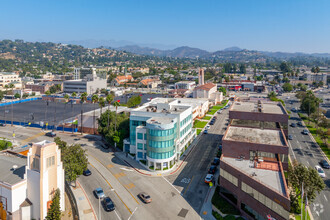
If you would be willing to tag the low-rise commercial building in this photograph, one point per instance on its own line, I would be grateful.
(159, 132)
(7, 78)
(189, 85)
(254, 158)
(208, 91)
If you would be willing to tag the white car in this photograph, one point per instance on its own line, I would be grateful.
(208, 127)
(320, 171)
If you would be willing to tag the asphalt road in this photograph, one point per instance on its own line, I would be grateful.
(190, 180)
(305, 151)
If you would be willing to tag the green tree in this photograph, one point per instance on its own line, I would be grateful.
(25, 95)
(223, 90)
(307, 178)
(47, 92)
(134, 101)
(287, 87)
(101, 103)
(116, 104)
(54, 212)
(109, 99)
(74, 94)
(74, 159)
(17, 96)
(83, 98)
(285, 67)
(242, 68)
(66, 97)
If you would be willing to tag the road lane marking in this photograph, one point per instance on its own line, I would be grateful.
(171, 185)
(116, 178)
(132, 213)
(130, 185)
(325, 197)
(32, 138)
(123, 168)
(117, 175)
(112, 188)
(308, 162)
(110, 165)
(188, 185)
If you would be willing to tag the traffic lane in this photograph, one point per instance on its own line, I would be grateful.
(135, 184)
(191, 178)
(90, 183)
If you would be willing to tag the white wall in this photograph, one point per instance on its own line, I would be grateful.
(33, 192)
(15, 197)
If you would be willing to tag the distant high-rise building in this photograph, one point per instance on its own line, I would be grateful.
(201, 77)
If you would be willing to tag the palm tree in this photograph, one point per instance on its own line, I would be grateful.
(73, 95)
(83, 98)
(116, 104)
(101, 103)
(95, 99)
(12, 107)
(109, 99)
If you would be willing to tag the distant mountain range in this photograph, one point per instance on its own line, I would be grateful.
(189, 52)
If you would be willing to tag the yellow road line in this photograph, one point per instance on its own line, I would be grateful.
(112, 188)
(116, 178)
(32, 137)
(188, 185)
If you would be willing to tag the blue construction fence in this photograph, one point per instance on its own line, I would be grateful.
(34, 125)
(19, 101)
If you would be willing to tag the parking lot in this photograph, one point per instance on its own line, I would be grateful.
(39, 111)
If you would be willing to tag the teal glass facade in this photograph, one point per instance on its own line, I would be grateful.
(160, 144)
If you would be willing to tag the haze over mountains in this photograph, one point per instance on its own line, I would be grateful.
(190, 52)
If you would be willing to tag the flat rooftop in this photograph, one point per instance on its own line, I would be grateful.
(159, 120)
(12, 168)
(255, 135)
(253, 107)
(270, 178)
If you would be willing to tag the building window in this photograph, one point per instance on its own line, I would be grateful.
(50, 161)
(140, 146)
(140, 155)
(35, 164)
(145, 136)
(140, 136)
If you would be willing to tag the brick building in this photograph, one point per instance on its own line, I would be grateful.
(255, 156)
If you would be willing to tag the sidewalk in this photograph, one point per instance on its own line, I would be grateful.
(206, 211)
(85, 208)
(130, 161)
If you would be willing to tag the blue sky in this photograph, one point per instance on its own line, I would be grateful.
(272, 25)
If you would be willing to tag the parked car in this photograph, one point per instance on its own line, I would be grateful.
(215, 118)
(219, 111)
(87, 172)
(205, 131)
(145, 197)
(2, 125)
(290, 137)
(299, 123)
(220, 147)
(219, 154)
(208, 178)
(305, 132)
(293, 109)
(211, 123)
(293, 125)
(98, 192)
(324, 164)
(108, 204)
(51, 134)
(207, 127)
(212, 169)
(216, 161)
(320, 171)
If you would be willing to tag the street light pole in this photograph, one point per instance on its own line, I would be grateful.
(99, 208)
